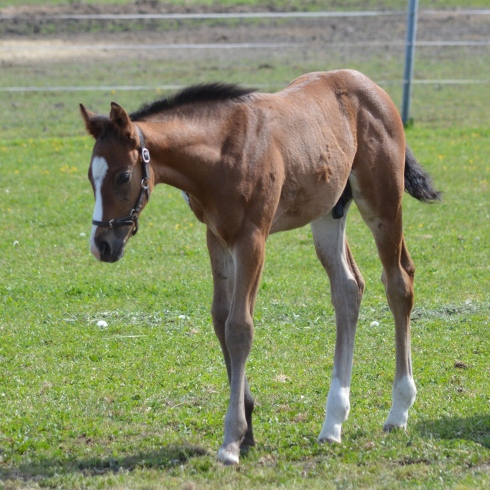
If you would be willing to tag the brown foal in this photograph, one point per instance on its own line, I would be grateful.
(251, 164)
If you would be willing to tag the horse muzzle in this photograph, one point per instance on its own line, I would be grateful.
(108, 246)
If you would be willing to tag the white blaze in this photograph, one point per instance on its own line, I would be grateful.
(99, 171)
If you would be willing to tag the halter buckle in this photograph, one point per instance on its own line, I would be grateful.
(145, 155)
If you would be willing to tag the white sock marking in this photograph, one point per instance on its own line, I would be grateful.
(337, 411)
(404, 393)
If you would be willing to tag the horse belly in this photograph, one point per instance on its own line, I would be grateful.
(301, 206)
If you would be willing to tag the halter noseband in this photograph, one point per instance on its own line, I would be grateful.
(132, 218)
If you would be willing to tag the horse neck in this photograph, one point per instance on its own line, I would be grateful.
(184, 150)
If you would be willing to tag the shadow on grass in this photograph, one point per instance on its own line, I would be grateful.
(476, 429)
(163, 458)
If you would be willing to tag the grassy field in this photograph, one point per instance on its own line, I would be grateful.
(140, 403)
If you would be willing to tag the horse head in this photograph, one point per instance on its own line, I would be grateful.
(120, 176)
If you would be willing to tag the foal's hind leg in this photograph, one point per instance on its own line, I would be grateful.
(384, 218)
(347, 287)
(398, 282)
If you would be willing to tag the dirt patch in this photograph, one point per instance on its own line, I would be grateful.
(40, 50)
(142, 7)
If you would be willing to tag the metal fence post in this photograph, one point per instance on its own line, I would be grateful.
(413, 6)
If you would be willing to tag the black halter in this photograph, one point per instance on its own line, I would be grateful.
(132, 218)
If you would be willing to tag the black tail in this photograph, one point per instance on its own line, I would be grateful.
(417, 181)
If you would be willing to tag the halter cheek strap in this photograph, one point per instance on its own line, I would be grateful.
(132, 218)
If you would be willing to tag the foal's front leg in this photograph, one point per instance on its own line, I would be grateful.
(236, 276)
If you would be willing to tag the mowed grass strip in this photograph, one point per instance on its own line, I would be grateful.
(140, 403)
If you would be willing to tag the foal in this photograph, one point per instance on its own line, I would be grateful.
(252, 164)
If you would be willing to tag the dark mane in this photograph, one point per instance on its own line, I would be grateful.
(206, 92)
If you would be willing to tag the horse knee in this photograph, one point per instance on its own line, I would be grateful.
(239, 335)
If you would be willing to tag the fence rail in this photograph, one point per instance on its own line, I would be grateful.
(130, 88)
(241, 15)
(265, 45)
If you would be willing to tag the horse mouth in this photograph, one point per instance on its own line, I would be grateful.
(106, 250)
(114, 257)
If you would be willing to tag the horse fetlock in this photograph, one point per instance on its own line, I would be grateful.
(338, 404)
(248, 440)
(330, 433)
(229, 454)
(404, 393)
(236, 432)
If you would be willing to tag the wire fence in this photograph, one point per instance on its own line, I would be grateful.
(137, 54)
(11, 48)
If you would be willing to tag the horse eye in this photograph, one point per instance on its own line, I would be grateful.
(123, 179)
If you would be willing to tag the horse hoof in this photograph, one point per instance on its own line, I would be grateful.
(329, 440)
(392, 427)
(228, 457)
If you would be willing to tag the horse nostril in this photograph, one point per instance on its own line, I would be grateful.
(104, 249)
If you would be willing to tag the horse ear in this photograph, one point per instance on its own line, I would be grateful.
(120, 119)
(94, 123)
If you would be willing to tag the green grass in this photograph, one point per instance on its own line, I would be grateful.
(140, 403)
